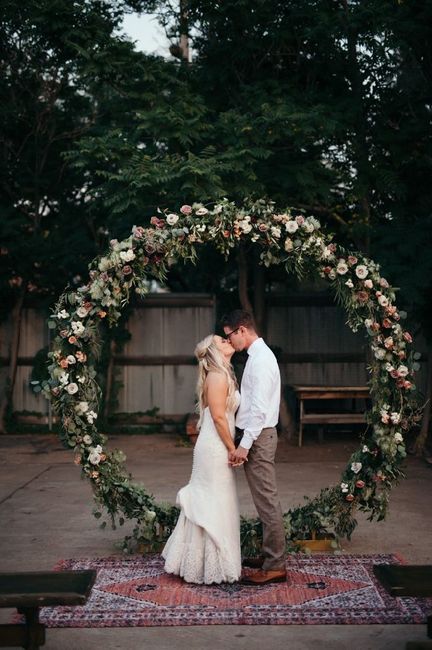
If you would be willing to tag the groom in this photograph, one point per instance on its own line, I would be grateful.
(256, 421)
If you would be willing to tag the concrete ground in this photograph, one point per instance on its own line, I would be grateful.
(45, 515)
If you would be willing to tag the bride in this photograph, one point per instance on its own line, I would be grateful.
(205, 544)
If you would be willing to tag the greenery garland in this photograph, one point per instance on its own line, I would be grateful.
(289, 238)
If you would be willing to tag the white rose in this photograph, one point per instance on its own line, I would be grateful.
(70, 359)
(368, 284)
(403, 371)
(91, 416)
(342, 267)
(356, 467)
(361, 271)
(389, 367)
(365, 449)
(308, 226)
(172, 219)
(81, 312)
(95, 455)
(395, 417)
(383, 301)
(349, 283)
(398, 437)
(87, 440)
(291, 227)
(62, 314)
(379, 354)
(77, 327)
(245, 226)
(82, 407)
(72, 388)
(368, 322)
(128, 256)
(64, 378)
(275, 231)
(201, 212)
(344, 487)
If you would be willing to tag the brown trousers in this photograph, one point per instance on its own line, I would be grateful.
(261, 477)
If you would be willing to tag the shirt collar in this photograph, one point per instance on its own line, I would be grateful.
(255, 346)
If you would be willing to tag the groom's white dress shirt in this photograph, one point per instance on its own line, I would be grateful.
(260, 393)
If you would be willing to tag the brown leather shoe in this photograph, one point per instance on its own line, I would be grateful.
(262, 577)
(253, 562)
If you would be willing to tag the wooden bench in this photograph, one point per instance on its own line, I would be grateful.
(304, 393)
(30, 591)
(406, 580)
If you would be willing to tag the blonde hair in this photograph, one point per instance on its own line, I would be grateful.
(210, 359)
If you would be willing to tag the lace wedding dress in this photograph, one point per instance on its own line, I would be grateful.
(205, 544)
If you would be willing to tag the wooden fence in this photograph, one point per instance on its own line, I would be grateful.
(157, 368)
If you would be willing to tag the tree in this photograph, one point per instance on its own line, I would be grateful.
(57, 57)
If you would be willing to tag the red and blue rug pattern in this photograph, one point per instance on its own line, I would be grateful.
(134, 591)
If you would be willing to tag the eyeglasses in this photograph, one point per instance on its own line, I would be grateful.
(227, 336)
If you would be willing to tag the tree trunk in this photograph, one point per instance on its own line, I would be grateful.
(259, 299)
(13, 360)
(360, 144)
(184, 28)
(420, 442)
(243, 281)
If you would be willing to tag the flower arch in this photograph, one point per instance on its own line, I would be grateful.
(288, 238)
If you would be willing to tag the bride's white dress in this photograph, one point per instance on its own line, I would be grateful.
(205, 544)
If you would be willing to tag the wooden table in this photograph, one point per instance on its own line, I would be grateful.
(405, 580)
(30, 591)
(304, 393)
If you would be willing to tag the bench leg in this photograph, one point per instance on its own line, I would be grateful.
(35, 632)
(300, 438)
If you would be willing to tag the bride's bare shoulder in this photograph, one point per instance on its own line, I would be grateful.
(216, 379)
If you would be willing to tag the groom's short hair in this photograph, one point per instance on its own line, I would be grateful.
(237, 318)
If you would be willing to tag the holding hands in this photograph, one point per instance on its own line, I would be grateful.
(238, 456)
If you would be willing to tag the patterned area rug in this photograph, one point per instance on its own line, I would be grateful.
(321, 589)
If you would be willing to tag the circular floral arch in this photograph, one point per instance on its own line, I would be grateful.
(286, 238)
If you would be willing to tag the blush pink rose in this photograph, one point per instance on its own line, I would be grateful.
(186, 209)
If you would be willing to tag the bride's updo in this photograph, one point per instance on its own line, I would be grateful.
(210, 359)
